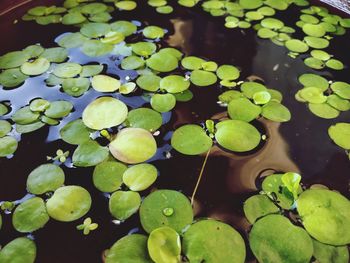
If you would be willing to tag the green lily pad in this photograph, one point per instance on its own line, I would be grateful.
(227, 72)
(125, 27)
(52, 80)
(275, 238)
(314, 63)
(67, 70)
(146, 49)
(251, 4)
(104, 83)
(237, 136)
(30, 215)
(73, 18)
(243, 109)
(139, 177)
(93, 8)
(126, 5)
(224, 245)
(250, 88)
(163, 102)
(27, 128)
(313, 95)
(261, 97)
(39, 105)
(323, 110)
(342, 89)
(55, 54)
(259, 206)
(59, 109)
(69, 203)
(75, 86)
(203, 78)
(296, 45)
(313, 80)
(45, 178)
(133, 145)
(75, 132)
(107, 176)
(11, 78)
(340, 134)
(272, 23)
(192, 62)
(123, 204)
(19, 250)
(95, 48)
(144, 118)
(330, 254)
(89, 153)
(191, 140)
(335, 64)
(165, 9)
(320, 54)
(162, 62)
(172, 51)
(33, 51)
(131, 249)
(153, 32)
(13, 59)
(49, 121)
(35, 67)
(174, 84)
(132, 62)
(95, 30)
(338, 103)
(25, 116)
(316, 42)
(104, 112)
(153, 211)
(72, 40)
(91, 70)
(5, 128)
(266, 33)
(164, 245)
(325, 215)
(275, 111)
(184, 96)
(149, 82)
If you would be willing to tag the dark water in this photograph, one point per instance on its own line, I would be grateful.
(301, 145)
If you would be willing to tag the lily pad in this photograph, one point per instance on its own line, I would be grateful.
(146, 49)
(25, 116)
(314, 30)
(39, 105)
(123, 204)
(126, 5)
(316, 42)
(203, 78)
(104, 112)
(144, 118)
(149, 82)
(107, 176)
(13, 59)
(162, 62)
(67, 70)
(330, 254)
(227, 72)
(324, 110)
(153, 32)
(95, 30)
(174, 84)
(45, 178)
(335, 64)
(259, 206)
(153, 211)
(275, 111)
(91, 70)
(55, 54)
(163, 102)
(314, 63)
(192, 62)
(338, 103)
(89, 153)
(275, 238)
(8, 145)
(104, 83)
(125, 27)
(11, 78)
(340, 134)
(342, 89)
(5, 128)
(224, 245)
(191, 140)
(30, 215)
(164, 245)
(131, 249)
(237, 136)
(59, 109)
(69, 203)
(133, 145)
(27, 128)
(132, 62)
(35, 67)
(243, 109)
(95, 48)
(325, 215)
(313, 80)
(75, 132)
(140, 176)
(296, 45)
(312, 95)
(19, 250)
(75, 86)
(249, 88)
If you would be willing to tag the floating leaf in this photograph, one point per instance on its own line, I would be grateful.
(342, 89)
(243, 109)
(55, 54)
(192, 63)
(104, 112)
(251, 87)
(320, 54)
(71, 40)
(272, 23)
(89, 153)
(5, 128)
(124, 204)
(237, 136)
(27, 128)
(274, 237)
(340, 134)
(131, 248)
(325, 215)
(30, 215)
(149, 82)
(75, 132)
(91, 70)
(224, 245)
(174, 84)
(104, 83)
(335, 64)
(19, 250)
(107, 176)
(133, 145)
(126, 5)
(228, 72)
(95, 48)
(313, 80)
(59, 109)
(203, 78)
(312, 95)
(69, 203)
(184, 96)
(125, 27)
(8, 145)
(258, 206)
(75, 86)
(191, 140)
(164, 245)
(153, 207)
(139, 177)
(316, 42)
(153, 32)
(35, 67)
(146, 49)
(67, 70)
(73, 18)
(330, 254)
(338, 103)
(45, 178)
(323, 110)
(144, 118)
(163, 102)
(132, 62)
(314, 63)
(314, 30)
(11, 78)
(162, 62)
(275, 111)
(13, 59)
(3, 109)
(296, 45)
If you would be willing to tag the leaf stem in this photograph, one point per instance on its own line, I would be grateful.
(200, 176)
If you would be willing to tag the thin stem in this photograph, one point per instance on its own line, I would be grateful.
(200, 176)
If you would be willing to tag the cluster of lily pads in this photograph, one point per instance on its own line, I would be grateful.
(34, 60)
(324, 215)
(77, 12)
(325, 100)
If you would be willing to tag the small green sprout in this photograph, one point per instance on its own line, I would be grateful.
(106, 134)
(7, 206)
(210, 125)
(87, 226)
(60, 155)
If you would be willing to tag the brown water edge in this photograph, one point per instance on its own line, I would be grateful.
(299, 145)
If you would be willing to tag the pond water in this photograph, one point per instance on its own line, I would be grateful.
(301, 145)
